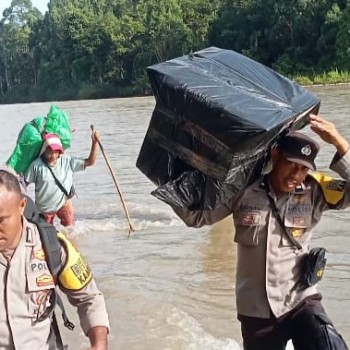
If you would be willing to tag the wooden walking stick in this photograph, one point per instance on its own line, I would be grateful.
(115, 182)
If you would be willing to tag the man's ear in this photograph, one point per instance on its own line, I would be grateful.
(22, 205)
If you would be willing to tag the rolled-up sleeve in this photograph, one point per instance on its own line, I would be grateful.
(89, 301)
(91, 306)
(341, 165)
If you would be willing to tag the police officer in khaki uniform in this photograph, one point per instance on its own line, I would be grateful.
(273, 219)
(27, 287)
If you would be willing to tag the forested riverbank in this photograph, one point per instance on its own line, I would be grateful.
(81, 49)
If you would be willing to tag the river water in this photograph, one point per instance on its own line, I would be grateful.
(168, 286)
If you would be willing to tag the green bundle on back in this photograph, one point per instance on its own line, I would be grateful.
(57, 123)
(29, 141)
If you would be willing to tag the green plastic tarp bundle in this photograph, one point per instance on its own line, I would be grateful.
(29, 141)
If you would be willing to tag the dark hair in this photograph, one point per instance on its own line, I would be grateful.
(10, 181)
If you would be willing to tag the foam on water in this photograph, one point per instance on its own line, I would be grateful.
(289, 346)
(195, 336)
(104, 216)
(91, 226)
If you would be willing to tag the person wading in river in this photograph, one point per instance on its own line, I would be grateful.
(274, 217)
(27, 284)
(52, 173)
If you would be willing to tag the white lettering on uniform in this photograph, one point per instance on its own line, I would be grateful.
(38, 266)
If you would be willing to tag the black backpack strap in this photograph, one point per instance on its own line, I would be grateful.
(66, 321)
(56, 330)
(278, 217)
(48, 236)
(58, 183)
(31, 213)
(52, 248)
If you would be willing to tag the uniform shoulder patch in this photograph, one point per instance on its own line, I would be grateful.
(333, 189)
(76, 273)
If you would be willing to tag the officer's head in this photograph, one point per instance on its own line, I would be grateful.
(12, 205)
(293, 157)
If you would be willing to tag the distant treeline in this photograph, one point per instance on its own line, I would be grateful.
(100, 48)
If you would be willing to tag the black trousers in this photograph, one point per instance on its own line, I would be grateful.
(308, 326)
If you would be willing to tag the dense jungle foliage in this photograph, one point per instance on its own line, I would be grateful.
(100, 48)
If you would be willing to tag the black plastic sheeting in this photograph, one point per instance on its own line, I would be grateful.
(217, 115)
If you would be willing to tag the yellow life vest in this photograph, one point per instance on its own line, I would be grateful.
(75, 273)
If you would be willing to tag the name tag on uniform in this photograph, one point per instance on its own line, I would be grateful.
(299, 221)
(250, 219)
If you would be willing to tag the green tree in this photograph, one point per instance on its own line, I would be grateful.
(343, 40)
(16, 59)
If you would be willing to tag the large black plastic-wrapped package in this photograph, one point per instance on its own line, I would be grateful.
(216, 117)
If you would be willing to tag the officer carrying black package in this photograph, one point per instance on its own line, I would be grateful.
(276, 281)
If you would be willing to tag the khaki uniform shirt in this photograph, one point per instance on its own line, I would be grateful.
(268, 264)
(26, 285)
